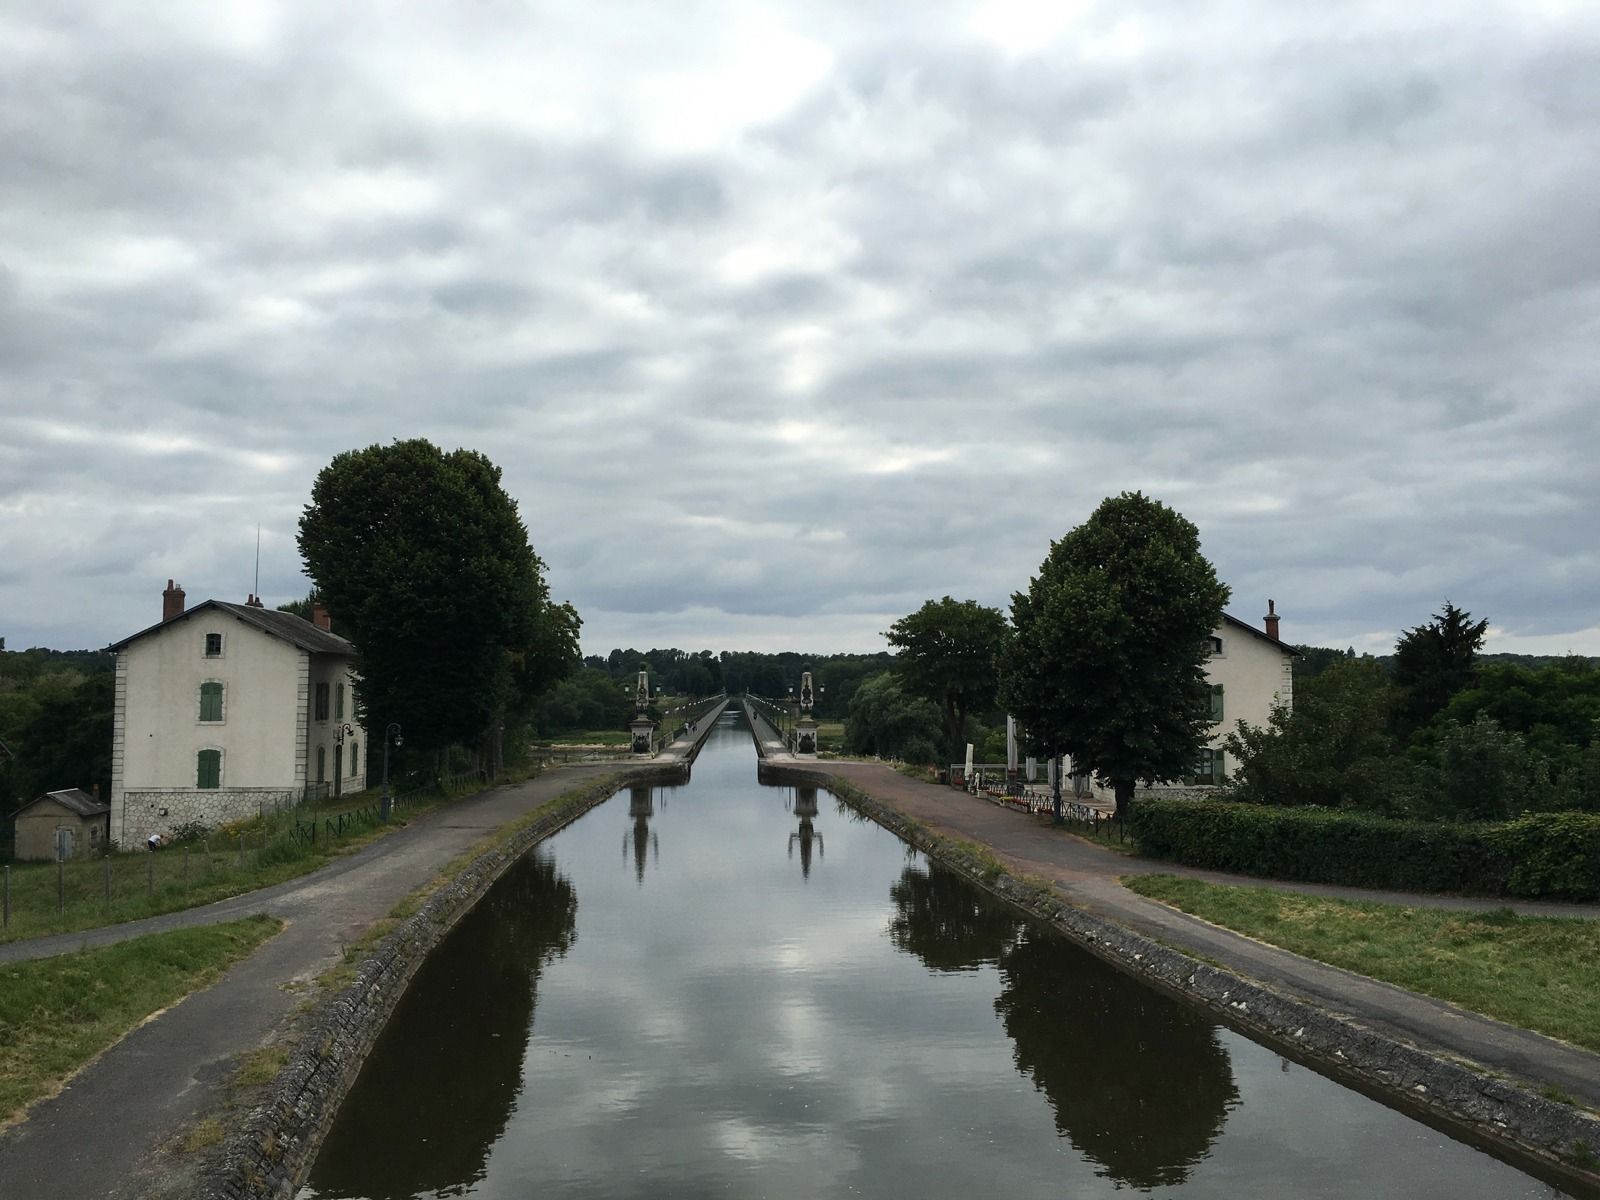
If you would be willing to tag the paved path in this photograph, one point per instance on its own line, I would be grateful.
(1087, 875)
(99, 1138)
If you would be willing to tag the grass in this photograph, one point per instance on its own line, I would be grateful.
(145, 885)
(57, 1014)
(592, 737)
(1540, 973)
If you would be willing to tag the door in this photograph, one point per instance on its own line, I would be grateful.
(63, 844)
(338, 770)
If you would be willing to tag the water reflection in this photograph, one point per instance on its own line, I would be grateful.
(439, 1086)
(948, 923)
(806, 837)
(641, 839)
(1138, 1083)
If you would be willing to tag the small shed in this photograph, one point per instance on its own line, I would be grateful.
(64, 823)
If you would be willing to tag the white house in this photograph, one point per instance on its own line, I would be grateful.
(223, 710)
(1251, 673)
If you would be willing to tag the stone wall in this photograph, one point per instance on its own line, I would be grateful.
(1561, 1136)
(270, 1153)
(161, 811)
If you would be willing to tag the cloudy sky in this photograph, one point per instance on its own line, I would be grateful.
(784, 318)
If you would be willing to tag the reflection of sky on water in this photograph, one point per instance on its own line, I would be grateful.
(725, 1023)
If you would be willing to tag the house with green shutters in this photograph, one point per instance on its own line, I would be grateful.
(227, 710)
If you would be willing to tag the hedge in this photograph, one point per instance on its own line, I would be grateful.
(1537, 856)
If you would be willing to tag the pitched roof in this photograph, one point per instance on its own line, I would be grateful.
(1264, 636)
(74, 800)
(297, 631)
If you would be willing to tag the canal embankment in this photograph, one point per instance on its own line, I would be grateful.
(270, 1151)
(1475, 1076)
(178, 1068)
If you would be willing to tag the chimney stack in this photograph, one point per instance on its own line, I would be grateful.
(1272, 620)
(171, 602)
(320, 617)
(254, 601)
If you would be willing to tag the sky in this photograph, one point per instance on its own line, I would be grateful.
(782, 319)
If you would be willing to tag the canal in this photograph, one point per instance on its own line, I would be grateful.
(726, 989)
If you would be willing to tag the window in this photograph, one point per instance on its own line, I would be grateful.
(322, 703)
(322, 761)
(355, 757)
(1209, 769)
(1216, 647)
(1216, 702)
(213, 645)
(211, 701)
(338, 701)
(208, 769)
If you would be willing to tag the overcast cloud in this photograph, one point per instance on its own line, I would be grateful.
(782, 319)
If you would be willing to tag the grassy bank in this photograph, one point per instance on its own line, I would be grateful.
(56, 1014)
(229, 862)
(1538, 973)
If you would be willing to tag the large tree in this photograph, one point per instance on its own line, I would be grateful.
(425, 557)
(1435, 661)
(950, 654)
(1107, 661)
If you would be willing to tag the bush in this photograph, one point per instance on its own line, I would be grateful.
(1541, 855)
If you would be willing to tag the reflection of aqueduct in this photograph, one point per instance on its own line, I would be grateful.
(641, 839)
(805, 807)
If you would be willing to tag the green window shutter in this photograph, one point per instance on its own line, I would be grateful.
(1216, 702)
(322, 764)
(322, 702)
(208, 773)
(211, 702)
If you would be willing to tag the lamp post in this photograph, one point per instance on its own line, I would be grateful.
(341, 732)
(391, 737)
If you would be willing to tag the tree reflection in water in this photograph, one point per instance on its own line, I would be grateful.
(1139, 1083)
(439, 1086)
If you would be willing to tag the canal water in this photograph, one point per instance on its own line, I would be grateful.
(733, 990)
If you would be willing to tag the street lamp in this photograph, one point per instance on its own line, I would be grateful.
(391, 737)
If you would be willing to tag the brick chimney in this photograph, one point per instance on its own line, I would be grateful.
(1271, 619)
(171, 602)
(320, 618)
(254, 601)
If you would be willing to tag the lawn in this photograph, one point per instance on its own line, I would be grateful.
(1540, 973)
(56, 1014)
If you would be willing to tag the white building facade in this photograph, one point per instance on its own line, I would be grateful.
(226, 710)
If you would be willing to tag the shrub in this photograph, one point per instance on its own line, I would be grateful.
(1538, 855)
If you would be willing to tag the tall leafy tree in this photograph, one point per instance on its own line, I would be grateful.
(1107, 660)
(1435, 661)
(425, 557)
(950, 654)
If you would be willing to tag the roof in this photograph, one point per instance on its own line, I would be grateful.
(1265, 637)
(297, 631)
(74, 800)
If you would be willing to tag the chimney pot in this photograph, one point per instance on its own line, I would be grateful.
(320, 618)
(1271, 620)
(171, 602)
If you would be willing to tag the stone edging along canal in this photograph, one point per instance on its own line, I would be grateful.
(1560, 1136)
(270, 1153)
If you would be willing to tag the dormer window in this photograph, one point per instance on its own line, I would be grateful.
(213, 645)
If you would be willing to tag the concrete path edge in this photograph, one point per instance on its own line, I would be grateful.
(271, 1151)
(1563, 1139)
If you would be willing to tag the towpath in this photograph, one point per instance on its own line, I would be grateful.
(102, 1136)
